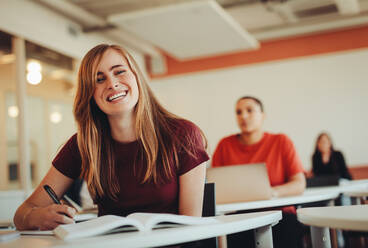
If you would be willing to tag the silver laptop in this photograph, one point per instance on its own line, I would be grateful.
(240, 183)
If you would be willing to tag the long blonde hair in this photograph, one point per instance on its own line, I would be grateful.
(155, 129)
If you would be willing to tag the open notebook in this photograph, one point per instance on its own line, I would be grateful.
(240, 183)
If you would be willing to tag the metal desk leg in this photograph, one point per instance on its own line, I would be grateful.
(356, 201)
(320, 237)
(263, 237)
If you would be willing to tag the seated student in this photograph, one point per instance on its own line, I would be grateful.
(284, 167)
(134, 155)
(326, 161)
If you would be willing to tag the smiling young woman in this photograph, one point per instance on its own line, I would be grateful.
(134, 154)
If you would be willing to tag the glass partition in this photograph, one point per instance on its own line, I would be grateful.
(49, 114)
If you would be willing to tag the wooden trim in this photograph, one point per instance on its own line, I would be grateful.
(359, 172)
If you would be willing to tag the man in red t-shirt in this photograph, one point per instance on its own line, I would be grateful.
(253, 145)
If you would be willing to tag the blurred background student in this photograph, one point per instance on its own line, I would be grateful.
(285, 170)
(327, 161)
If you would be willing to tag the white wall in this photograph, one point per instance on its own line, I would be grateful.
(302, 97)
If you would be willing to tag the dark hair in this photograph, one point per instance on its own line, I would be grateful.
(317, 155)
(316, 151)
(254, 99)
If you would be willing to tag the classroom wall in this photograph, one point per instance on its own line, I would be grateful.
(302, 97)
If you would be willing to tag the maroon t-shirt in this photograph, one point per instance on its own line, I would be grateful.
(135, 196)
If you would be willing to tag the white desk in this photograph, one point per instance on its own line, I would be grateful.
(261, 222)
(347, 186)
(354, 218)
(307, 197)
(357, 196)
(310, 195)
(357, 193)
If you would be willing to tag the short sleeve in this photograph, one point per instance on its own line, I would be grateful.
(68, 160)
(217, 157)
(291, 159)
(188, 161)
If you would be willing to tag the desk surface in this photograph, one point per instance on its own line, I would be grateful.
(357, 193)
(310, 195)
(353, 217)
(160, 237)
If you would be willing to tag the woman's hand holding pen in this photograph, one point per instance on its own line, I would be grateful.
(49, 217)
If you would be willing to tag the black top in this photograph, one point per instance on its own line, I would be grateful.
(336, 165)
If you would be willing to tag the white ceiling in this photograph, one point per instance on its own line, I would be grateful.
(188, 30)
(207, 28)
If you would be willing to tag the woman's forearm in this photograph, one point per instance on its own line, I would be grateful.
(22, 217)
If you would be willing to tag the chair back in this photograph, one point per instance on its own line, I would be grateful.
(209, 209)
(209, 200)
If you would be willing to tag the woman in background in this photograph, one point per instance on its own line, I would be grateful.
(326, 161)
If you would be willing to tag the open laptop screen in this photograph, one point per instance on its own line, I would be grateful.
(240, 183)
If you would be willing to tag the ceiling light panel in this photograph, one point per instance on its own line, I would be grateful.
(189, 30)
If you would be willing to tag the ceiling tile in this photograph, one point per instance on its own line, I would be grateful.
(255, 16)
(196, 29)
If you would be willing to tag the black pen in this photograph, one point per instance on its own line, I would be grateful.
(51, 193)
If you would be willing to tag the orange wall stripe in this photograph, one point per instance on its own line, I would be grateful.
(309, 45)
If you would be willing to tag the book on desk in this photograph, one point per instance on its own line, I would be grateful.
(143, 222)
